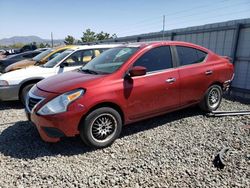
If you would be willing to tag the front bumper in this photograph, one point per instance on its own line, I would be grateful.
(9, 93)
(53, 127)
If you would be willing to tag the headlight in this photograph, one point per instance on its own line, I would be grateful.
(60, 103)
(3, 83)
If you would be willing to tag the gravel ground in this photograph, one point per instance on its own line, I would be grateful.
(174, 150)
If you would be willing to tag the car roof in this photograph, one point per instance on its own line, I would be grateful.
(56, 49)
(96, 46)
(156, 43)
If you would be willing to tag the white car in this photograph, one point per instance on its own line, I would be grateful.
(16, 84)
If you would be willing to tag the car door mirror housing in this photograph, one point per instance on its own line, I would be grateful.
(137, 71)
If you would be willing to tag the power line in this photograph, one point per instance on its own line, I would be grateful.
(230, 13)
(158, 18)
(174, 23)
(209, 11)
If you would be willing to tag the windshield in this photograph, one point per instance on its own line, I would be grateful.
(51, 63)
(42, 55)
(110, 60)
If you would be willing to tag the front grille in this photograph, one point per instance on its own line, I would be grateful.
(32, 101)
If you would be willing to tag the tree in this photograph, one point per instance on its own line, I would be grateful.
(78, 42)
(16, 45)
(91, 36)
(88, 36)
(69, 40)
(41, 45)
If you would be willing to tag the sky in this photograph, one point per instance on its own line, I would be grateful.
(122, 17)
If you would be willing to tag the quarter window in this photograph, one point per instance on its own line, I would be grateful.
(156, 59)
(189, 56)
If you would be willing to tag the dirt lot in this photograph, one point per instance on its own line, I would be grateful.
(174, 150)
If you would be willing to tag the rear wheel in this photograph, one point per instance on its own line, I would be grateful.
(101, 127)
(212, 99)
(24, 92)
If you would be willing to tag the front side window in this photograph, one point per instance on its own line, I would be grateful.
(80, 57)
(31, 55)
(189, 56)
(156, 59)
(110, 60)
(51, 63)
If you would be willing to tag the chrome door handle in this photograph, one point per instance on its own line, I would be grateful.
(209, 72)
(170, 80)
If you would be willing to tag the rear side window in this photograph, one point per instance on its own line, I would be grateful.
(189, 56)
(156, 59)
(31, 55)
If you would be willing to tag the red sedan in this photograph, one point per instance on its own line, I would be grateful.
(127, 84)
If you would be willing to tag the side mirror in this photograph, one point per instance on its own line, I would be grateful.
(137, 71)
(64, 64)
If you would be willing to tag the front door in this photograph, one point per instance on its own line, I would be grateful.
(158, 90)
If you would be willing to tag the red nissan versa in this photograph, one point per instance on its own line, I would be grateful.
(127, 84)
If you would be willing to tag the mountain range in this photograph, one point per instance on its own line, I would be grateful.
(27, 40)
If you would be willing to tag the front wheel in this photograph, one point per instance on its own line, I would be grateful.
(212, 99)
(101, 127)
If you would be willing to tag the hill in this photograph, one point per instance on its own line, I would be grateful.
(27, 40)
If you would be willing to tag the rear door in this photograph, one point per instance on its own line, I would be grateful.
(195, 74)
(158, 90)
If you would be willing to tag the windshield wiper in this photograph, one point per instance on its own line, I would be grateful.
(89, 71)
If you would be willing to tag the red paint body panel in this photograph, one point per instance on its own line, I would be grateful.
(138, 98)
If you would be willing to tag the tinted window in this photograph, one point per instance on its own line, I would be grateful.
(156, 59)
(31, 55)
(188, 56)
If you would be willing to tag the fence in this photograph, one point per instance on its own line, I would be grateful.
(231, 38)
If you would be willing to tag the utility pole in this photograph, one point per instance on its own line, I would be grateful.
(52, 42)
(163, 27)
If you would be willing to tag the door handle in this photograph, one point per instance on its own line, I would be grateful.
(209, 72)
(170, 80)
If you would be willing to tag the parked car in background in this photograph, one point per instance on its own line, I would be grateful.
(39, 59)
(124, 85)
(2, 54)
(15, 85)
(25, 48)
(9, 60)
(42, 49)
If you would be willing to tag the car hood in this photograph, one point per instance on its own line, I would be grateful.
(67, 81)
(25, 73)
(20, 64)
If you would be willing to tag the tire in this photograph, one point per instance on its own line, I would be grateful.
(212, 99)
(95, 132)
(24, 92)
